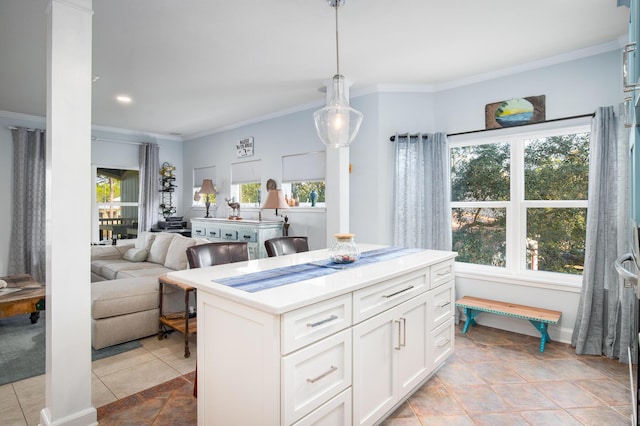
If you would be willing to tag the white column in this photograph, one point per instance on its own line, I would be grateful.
(337, 182)
(68, 205)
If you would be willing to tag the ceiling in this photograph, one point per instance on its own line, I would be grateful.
(197, 66)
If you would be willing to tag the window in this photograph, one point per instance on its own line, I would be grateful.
(117, 192)
(519, 202)
(303, 173)
(200, 174)
(245, 183)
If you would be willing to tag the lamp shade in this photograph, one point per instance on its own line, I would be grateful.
(337, 123)
(207, 187)
(275, 200)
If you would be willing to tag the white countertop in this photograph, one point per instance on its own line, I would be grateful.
(285, 298)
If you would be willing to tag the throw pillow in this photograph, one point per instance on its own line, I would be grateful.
(177, 253)
(145, 239)
(159, 247)
(136, 255)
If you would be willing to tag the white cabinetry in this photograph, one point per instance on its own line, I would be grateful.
(254, 232)
(347, 348)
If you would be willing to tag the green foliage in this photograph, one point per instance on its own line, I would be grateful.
(303, 189)
(480, 173)
(107, 188)
(250, 193)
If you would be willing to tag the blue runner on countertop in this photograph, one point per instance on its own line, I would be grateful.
(277, 277)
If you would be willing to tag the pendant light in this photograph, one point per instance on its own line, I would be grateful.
(337, 123)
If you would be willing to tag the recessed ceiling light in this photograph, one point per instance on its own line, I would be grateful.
(123, 99)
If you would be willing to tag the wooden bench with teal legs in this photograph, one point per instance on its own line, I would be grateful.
(540, 318)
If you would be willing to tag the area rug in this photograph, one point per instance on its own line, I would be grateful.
(22, 348)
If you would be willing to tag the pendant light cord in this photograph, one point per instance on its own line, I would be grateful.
(337, 45)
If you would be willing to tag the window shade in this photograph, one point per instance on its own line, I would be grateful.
(308, 167)
(246, 172)
(202, 173)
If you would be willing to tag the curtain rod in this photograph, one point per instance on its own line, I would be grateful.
(15, 128)
(95, 138)
(403, 136)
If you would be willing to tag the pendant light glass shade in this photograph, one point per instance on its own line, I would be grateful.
(337, 123)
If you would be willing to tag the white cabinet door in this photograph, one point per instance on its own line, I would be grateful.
(375, 367)
(391, 356)
(413, 357)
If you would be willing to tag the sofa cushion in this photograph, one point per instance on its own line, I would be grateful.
(112, 270)
(136, 254)
(159, 247)
(120, 297)
(145, 239)
(177, 252)
(147, 272)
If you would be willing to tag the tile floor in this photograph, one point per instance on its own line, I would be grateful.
(116, 380)
(494, 378)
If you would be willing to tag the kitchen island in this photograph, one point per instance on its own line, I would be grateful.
(298, 340)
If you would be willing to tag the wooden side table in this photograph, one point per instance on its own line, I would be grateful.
(179, 321)
(24, 296)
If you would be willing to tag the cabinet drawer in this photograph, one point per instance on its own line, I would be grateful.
(442, 343)
(380, 297)
(213, 232)
(228, 234)
(249, 236)
(441, 273)
(312, 323)
(336, 412)
(199, 231)
(315, 374)
(440, 305)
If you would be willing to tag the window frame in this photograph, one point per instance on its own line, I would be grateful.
(96, 206)
(515, 270)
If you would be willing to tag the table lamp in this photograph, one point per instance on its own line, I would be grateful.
(275, 200)
(207, 189)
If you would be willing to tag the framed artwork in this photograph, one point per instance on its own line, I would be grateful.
(515, 112)
(244, 148)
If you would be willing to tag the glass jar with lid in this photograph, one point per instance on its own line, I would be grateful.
(344, 250)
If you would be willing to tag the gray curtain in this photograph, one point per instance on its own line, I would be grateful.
(605, 321)
(149, 162)
(422, 188)
(27, 253)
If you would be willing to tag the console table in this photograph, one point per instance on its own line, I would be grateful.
(301, 340)
(254, 232)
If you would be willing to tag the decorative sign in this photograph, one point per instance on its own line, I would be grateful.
(244, 148)
(515, 112)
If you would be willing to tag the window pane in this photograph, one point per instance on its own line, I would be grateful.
(479, 235)
(250, 193)
(480, 173)
(303, 191)
(556, 239)
(557, 167)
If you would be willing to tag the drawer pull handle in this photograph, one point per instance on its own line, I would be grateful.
(326, 373)
(315, 324)
(397, 292)
(443, 342)
(443, 303)
(442, 274)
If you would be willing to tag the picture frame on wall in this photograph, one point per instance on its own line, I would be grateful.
(515, 112)
(244, 148)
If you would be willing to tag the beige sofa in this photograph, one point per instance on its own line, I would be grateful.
(124, 288)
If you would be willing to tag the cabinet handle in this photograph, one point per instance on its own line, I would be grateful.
(399, 332)
(626, 86)
(315, 324)
(443, 303)
(443, 342)
(326, 373)
(628, 117)
(397, 292)
(442, 274)
(404, 331)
